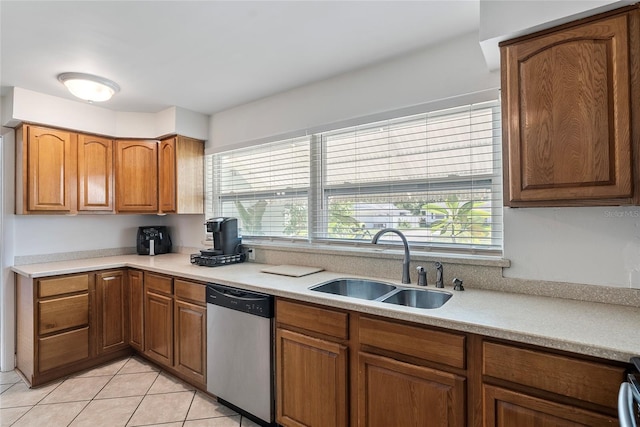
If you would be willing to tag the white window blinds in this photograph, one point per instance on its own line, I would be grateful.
(435, 176)
(265, 187)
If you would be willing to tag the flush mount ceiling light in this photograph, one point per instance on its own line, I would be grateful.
(89, 87)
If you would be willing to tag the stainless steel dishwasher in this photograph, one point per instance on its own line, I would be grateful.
(240, 371)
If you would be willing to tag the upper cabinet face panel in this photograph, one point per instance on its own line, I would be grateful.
(137, 176)
(49, 170)
(567, 114)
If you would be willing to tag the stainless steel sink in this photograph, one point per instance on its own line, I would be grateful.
(356, 288)
(419, 298)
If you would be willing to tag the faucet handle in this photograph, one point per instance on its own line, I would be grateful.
(439, 275)
(457, 285)
(422, 276)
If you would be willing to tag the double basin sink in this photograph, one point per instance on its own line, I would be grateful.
(379, 291)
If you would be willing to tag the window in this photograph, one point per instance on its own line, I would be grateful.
(435, 176)
(265, 187)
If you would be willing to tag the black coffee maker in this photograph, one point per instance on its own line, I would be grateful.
(225, 236)
(227, 245)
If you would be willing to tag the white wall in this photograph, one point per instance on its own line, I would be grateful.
(435, 74)
(48, 234)
(187, 231)
(596, 245)
(503, 20)
(22, 105)
(7, 239)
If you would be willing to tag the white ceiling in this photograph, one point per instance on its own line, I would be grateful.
(207, 56)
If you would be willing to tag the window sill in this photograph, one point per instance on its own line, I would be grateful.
(366, 250)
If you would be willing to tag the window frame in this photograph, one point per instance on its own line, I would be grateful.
(318, 195)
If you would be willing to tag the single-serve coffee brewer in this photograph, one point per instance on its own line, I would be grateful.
(227, 245)
(225, 236)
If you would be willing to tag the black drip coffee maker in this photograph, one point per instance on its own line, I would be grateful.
(227, 245)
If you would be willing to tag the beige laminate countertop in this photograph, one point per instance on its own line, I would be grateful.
(595, 329)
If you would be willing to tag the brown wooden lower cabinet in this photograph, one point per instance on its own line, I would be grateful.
(312, 381)
(403, 374)
(334, 367)
(64, 325)
(190, 338)
(158, 330)
(506, 408)
(392, 392)
(112, 319)
(175, 326)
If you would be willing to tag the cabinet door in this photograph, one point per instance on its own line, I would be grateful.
(566, 115)
(506, 408)
(190, 340)
(95, 173)
(51, 170)
(167, 175)
(397, 393)
(136, 310)
(136, 176)
(311, 382)
(111, 311)
(158, 328)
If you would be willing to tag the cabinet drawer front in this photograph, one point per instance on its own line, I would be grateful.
(191, 291)
(589, 381)
(63, 313)
(63, 349)
(315, 319)
(440, 347)
(161, 284)
(62, 285)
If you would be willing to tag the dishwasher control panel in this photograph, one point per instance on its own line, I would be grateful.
(242, 300)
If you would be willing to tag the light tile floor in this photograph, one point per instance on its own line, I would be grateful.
(127, 392)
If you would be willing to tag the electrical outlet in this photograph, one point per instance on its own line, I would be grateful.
(252, 254)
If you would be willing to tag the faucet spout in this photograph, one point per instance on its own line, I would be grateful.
(407, 257)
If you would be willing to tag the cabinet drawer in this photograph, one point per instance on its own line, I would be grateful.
(63, 349)
(63, 313)
(321, 320)
(161, 284)
(588, 381)
(440, 347)
(191, 291)
(62, 285)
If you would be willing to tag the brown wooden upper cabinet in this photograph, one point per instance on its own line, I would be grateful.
(45, 170)
(137, 176)
(571, 116)
(64, 172)
(95, 173)
(181, 175)
(59, 171)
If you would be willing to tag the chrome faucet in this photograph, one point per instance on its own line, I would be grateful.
(407, 257)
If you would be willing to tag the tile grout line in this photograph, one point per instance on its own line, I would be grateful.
(94, 396)
(149, 369)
